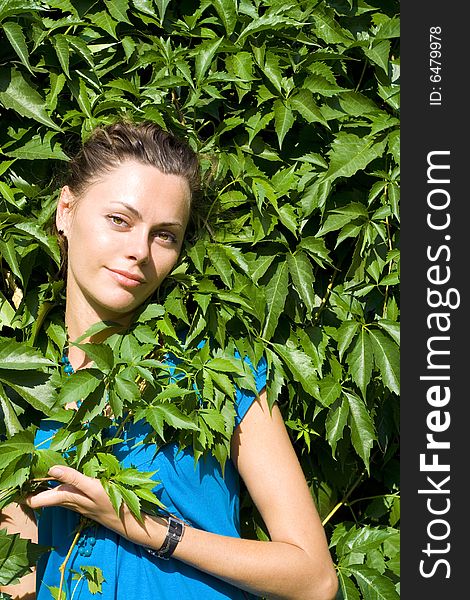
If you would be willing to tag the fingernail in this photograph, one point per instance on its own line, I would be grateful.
(55, 472)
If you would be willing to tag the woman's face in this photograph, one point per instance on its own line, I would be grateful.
(124, 236)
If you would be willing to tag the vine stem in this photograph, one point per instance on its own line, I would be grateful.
(344, 499)
(348, 493)
(395, 495)
(390, 248)
(325, 298)
(83, 523)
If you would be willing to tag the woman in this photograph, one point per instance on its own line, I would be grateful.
(123, 215)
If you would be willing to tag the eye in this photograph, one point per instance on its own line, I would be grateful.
(166, 236)
(117, 220)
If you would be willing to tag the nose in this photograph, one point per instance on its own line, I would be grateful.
(138, 248)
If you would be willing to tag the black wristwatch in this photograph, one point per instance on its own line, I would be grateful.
(174, 534)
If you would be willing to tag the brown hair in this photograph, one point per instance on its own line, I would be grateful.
(146, 143)
(109, 146)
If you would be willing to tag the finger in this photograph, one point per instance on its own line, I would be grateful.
(72, 477)
(62, 495)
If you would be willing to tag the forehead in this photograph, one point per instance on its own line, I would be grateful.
(138, 185)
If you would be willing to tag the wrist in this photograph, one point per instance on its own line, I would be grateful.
(150, 532)
(174, 534)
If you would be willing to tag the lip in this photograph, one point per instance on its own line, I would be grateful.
(127, 278)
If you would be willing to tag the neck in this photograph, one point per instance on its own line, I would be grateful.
(79, 317)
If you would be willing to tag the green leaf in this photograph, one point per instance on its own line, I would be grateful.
(10, 419)
(54, 590)
(330, 390)
(225, 365)
(283, 120)
(81, 47)
(39, 148)
(134, 478)
(128, 390)
(44, 459)
(78, 387)
(267, 21)
(316, 249)
(373, 585)
(317, 84)
(304, 103)
(350, 153)
(17, 356)
(213, 419)
(387, 28)
(360, 360)
(301, 272)
(33, 386)
(15, 36)
(132, 501)
(301, 367)
(276, 294)
(334, 222)
(162, 5)
(379, 53)
(101, 354)
(21, 444)
(18, 95)
(227, 11)
(34, 231)
(118, 10)
(220, 262)
(335, 423)
(387, 359)
(151, 311)
(171, 414)
(328, 29)
(345, 335)
(272, 71)
(348, 589)
(114, 494)
(356, 104)
(392, 328)
(361, 425)
(204, 56)
(394, 145)
(104, 21)
(17, 557)
(365, 539)
(61, 46)
(94, 578)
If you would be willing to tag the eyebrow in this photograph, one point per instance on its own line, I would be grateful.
(135, 212)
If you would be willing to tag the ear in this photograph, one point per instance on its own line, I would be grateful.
(64, 210)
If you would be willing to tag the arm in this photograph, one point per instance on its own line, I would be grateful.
(295, 565)
(16, 519)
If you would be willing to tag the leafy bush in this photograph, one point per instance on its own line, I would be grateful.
(293, 106)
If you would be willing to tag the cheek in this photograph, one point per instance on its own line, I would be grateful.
(164, 261)
(90, 240)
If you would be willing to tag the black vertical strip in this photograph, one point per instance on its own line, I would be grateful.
(435, 376)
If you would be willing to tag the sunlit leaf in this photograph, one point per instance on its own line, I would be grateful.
(276, 294)
(360, 360)
(17, 557)
(17, 94)
(361, 425)
(387, 359)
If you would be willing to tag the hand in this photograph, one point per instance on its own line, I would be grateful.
(84, 495)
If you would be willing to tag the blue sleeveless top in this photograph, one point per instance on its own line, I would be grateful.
(200, 495)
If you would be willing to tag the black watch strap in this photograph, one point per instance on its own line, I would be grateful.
(174, 534)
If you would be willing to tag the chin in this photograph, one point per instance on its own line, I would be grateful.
(118, 309)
